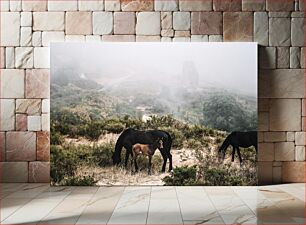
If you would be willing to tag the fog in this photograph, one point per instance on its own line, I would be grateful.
(231, 66)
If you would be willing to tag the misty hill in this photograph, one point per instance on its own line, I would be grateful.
(91, 100)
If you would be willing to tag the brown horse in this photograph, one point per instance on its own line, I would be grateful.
(147, 150)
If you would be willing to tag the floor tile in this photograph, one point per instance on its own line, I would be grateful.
(132, 207)
(100, 208)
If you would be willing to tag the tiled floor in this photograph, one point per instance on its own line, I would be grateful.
(41, 204)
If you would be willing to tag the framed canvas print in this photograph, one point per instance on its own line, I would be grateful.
(153, 113)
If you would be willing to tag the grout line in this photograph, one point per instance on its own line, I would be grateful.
(116, 205)
(56, 206)
(217, 211)
(86, 202)
(177, 198)
(149, 205)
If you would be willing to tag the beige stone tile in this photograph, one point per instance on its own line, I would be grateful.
(10, 28)
(39, 172)
(78, 23)
(24, 57)
(267, 57)
(124, 22)
(253, 5)
(206, 23)
(279, 32)
(94, 5)
(37, 83)
(170, 5)
(283, 57)
(5, 5)
(2, 57)
(181, 21)
(273, 5)
(274, 136)
(166, 20)
(43, 146)
(12, 83)
(41, 57)
(300, 138)
(142, 38)
(112, 5)
(119, 38)
(34, 123)
(201, 5)
(137, 5)
(227, 5)
(7, 114)
(284, 151)
(21, 146)
(21, 122)
(26, 19)
(15, 5)
(300, 153)
(285, 115)
(48, 37)
(148, 23)
(14, 172)
(34, 5)
(264, 171)
(266, 152)
(263, 121)
(181, 39)
(293, 172)
(102, 23)
(48, 21)
(2, 146)
(75, 38)
(281, 83)
(261, 28)
(28, 106)
(55, 5)
(25, 36)
(45, 122)
(238, 26)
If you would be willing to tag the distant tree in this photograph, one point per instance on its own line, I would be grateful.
(226, 113)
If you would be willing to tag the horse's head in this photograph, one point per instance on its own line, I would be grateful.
(116, 158)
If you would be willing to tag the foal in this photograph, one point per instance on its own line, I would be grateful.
(147, 150)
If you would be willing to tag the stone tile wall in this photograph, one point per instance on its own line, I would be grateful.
(28, 27)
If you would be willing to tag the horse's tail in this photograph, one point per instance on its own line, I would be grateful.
(169, 141)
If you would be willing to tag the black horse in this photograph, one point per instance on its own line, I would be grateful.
(238, 139)
(130, 137)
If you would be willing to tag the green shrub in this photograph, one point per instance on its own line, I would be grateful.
(102, 155)
(80, 181)
(181, 176)
(63, 163)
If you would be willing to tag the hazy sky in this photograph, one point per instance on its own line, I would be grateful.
(226, 65)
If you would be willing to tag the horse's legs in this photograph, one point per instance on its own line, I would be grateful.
(233, 154)
(127, 154)
(135, 163)
(238, 151)
(150, 165)
(170, 161)
(165, 161)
